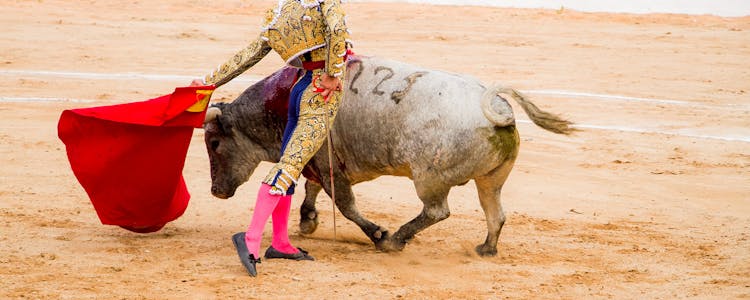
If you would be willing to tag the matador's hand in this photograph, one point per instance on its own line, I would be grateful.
(197, 82)
(329, 84)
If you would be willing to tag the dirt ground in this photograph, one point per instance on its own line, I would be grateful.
(659, 209)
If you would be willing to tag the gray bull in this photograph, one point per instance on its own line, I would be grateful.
(439, 129)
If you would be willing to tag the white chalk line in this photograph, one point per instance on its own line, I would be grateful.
(606, 97)
(247, 80)
(43, 99)
(116, 76)
(640, 130)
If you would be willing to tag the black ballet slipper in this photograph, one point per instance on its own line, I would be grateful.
(248, 260)
(272, 253)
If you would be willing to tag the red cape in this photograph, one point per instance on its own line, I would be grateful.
(129, 157)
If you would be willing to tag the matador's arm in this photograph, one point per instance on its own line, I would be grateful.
(240, 62)
(336, 37)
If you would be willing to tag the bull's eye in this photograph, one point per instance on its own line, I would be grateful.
(214, 145)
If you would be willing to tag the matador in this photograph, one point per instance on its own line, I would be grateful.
(311, 35)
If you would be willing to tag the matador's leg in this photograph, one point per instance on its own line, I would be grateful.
(306, 139)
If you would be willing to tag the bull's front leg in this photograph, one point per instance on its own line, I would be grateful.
(308, 221)
(346, 204)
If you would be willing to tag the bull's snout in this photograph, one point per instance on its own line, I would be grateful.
(218, 193)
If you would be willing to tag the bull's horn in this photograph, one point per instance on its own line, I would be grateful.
(212, 113)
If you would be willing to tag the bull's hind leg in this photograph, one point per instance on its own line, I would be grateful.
(308, 221)
(435, 200)
(489, 187)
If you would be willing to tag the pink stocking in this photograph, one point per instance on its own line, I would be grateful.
(280, 226)
(264, 206)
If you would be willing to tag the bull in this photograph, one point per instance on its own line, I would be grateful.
(436, 128)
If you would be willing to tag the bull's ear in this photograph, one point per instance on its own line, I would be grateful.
(225, 125)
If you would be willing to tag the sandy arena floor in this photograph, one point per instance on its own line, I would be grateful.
(659, 209)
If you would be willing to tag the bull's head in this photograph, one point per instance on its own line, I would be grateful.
(232, 155)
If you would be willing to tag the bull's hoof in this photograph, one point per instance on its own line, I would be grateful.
(308, 223)
(379, 235)
(390, 245)
(486, 251)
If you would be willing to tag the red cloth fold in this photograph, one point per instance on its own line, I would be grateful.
(129, 157)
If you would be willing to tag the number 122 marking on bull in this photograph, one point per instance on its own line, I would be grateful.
(396, 96)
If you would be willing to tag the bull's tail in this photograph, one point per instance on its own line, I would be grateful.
(541, 118)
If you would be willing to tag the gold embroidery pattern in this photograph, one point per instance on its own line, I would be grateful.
(295, 28)
(338, 35)
(240, 62)
(310, 134)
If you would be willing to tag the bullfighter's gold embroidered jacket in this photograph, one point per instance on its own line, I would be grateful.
(292, 29)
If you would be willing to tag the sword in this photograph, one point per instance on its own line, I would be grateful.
(330, 153)
(330, 168)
